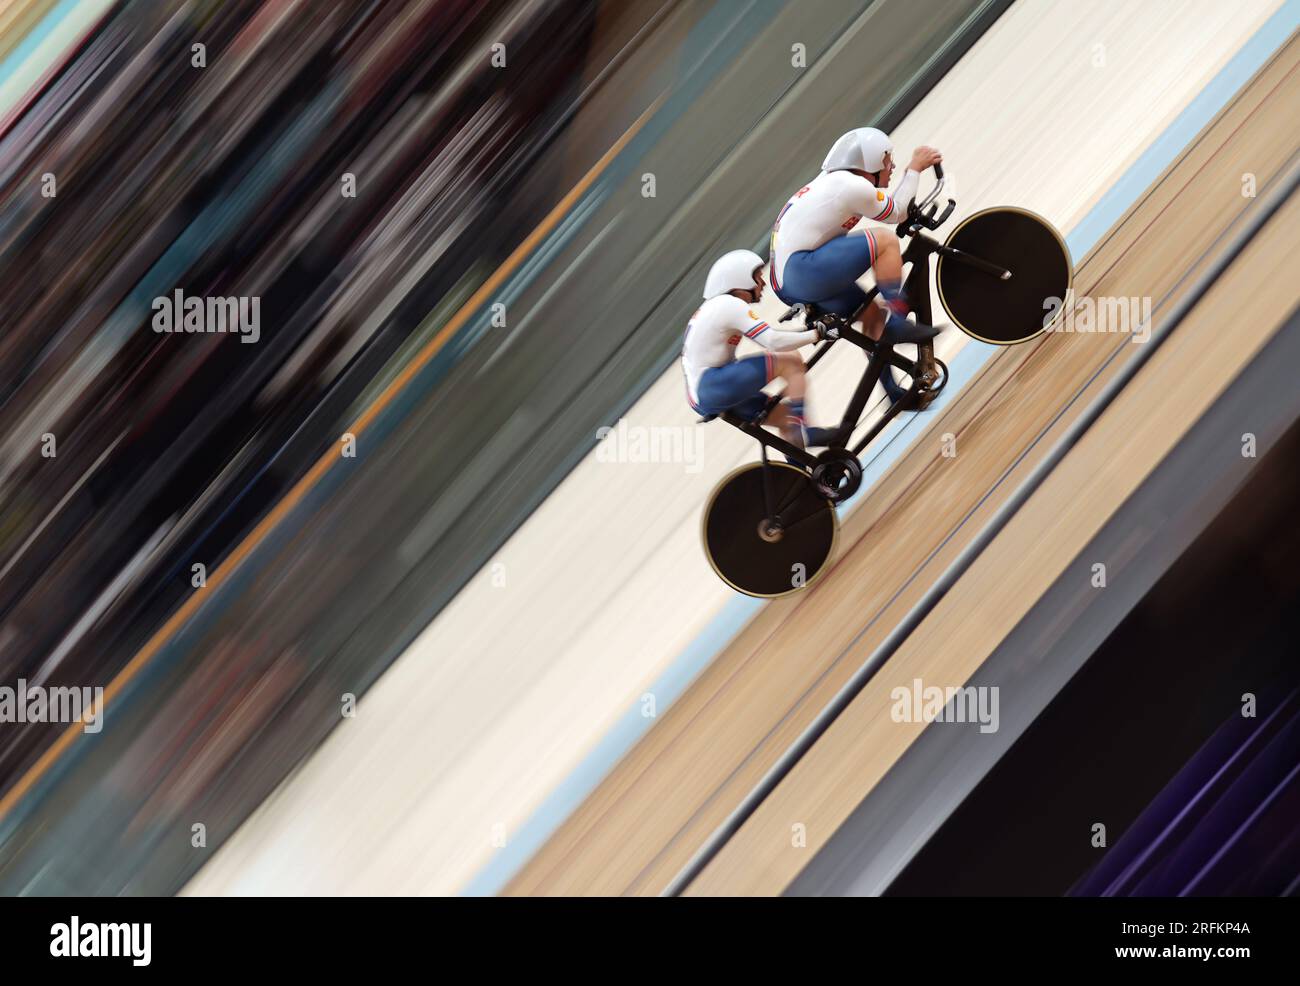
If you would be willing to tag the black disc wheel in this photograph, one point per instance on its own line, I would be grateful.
(763, 552)
(1015, 309)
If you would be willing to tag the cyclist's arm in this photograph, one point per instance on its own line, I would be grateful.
(778, 340)
(892, 207)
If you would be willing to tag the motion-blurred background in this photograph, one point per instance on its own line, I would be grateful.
(476, 229)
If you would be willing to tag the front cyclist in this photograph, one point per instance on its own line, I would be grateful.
(819, 251)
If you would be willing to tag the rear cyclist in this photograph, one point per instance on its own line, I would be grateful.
(716, 381)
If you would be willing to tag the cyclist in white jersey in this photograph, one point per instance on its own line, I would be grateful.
(716, 380)
(819, 250)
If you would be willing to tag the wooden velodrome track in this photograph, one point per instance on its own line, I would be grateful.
(645, 822)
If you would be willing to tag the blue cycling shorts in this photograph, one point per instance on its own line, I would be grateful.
(827, 277)
(736, 387)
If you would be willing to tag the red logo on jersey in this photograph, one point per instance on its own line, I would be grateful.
(734, 340)
(850, 222)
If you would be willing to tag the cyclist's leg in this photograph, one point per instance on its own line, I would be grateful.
(828, 275)
(813, 276)
(873, 321)
(888, 268)
(887, 263)
(789, 367)
(790, 419)
(850, 302)
(736, 386)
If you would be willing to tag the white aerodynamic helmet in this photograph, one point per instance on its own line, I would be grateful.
(732, 271)
(863, 149)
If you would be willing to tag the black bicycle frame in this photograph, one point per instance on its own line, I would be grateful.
(917, 286)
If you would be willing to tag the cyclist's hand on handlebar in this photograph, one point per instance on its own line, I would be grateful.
(828, 329)
(925, 157)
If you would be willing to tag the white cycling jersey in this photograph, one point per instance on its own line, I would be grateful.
(831, 205)
(715, 330)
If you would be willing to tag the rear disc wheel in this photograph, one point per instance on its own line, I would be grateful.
(768, 555)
